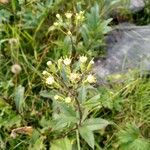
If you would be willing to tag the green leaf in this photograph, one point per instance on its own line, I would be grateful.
(61, 144)
(3, 104)
(96, 123)
(131, 139)
(19, 98)
(87, 135)
(82, 94)
(47, 94)
(93, 101)
(66, 112)
(38, 145)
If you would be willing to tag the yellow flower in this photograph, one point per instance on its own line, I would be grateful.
(68, 15)
(67, 61)
(67, 99)
(91, 79)
(83, 59)
(50, 80)
(49, 63)
(56, 97)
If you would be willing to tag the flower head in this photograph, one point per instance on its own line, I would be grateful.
(45, 72)
(50, 80)
(67, 61)
(74, 76)
(49, 63)
(67, 99)
(16, 69)
(91, 79)
(83, 59)
(56, 97)
(68, 15)
(69, 33)
(58, 16)
(56, 24)
(80, 16)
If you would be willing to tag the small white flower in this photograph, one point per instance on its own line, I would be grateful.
(67, 99)
(80, 16)
(68, 15)
(58, 16)
(56, 24)
(45, 72)
(83, 59)
(91, 79)
(56, 97)
(50, 80)
(69, 33)
(49, 63)
(74, 76)
(67, 61)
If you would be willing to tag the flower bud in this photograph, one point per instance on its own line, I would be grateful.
(83, 59)
(67, 61)
(58, 16)
(67, 99)
(49, 63)
(68, 15)
(45, 72)
(56, 97)
(91, 79)
(69, 33)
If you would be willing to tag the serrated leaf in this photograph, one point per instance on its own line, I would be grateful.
(130, 138)
(19, 98)
(87, 135)
(96, 123)
(61, 144)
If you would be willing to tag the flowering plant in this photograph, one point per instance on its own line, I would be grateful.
(81, 32)
(74, 97)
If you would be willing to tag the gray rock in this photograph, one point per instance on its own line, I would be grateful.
(136, 5)
(128, 48)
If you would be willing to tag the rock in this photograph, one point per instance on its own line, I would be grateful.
(124, 8)
(136, 5)
(128, 48)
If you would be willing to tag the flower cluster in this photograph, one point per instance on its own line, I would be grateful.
(68, 21)
(66, 75)
(80, 16)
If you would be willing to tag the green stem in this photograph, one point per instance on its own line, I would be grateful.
(78, 139)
